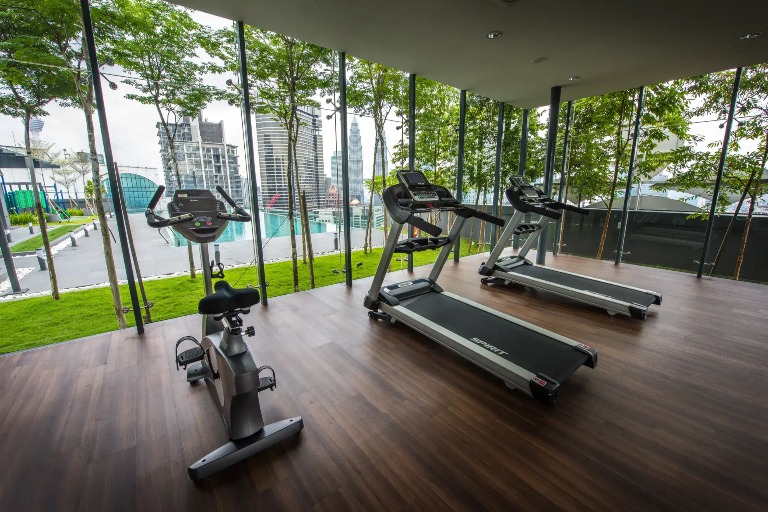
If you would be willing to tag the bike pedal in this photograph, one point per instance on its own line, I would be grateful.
(267, 383)
(190, 356)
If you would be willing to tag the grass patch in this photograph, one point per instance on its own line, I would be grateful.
(60, 230)
(40, 321)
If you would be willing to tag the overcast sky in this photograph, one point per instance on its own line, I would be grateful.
(133, 130)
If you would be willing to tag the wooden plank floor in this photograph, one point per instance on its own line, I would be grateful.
(674, 417)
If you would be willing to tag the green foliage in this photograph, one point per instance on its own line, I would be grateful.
(286, 72)
(31, 74)
(173, 297)
(89, 189)
(23, 218)
(75, 212)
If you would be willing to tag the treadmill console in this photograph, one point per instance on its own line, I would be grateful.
(526, 197)
(418, 187)
(524, 189)
(205, 226)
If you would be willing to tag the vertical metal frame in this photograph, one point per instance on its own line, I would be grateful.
(563, 170)
(116, 198)
(345, 165)
(250, 161)
(460, 163)
(720, 168)
(523, 163)
(549, 166)
(497, 170)
(630, 177)
(411, 137)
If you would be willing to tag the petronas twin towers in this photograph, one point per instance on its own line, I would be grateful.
(356, 184)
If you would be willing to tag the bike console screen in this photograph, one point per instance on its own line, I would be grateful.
(204, 226)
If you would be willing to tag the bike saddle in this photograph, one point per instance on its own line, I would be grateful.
(226, 299)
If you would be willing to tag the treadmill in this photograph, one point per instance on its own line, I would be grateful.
(528, 358)
(615, 298)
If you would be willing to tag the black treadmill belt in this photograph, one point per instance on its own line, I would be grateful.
(529, 349)
(585, 283)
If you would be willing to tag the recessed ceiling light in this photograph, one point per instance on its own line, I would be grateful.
(751, 35)
(574, 78)
(539, 60)
(495, 34)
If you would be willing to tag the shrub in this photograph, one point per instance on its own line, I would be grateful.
(75, 212)
(22, 219)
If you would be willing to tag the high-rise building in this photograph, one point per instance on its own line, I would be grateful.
(380, 164)
(355, 162)
(204, 158)
(272, 140)
(355, 166)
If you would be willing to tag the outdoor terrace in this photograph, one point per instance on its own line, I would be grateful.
(672, 418)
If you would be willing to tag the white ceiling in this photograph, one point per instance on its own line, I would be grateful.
(611, 44)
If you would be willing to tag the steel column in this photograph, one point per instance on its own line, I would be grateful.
(563, 179)
(411, 139)
(345, 165)
(720, 168)
(113, 185)
(630, 176)
(522, 164)
(251, 160)
(549, 165)
(460, 163)
(497, 170)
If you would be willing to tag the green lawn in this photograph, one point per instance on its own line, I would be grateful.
(53, 233)
(41, 321)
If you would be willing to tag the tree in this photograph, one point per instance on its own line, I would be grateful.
(31, 77)
(287, 74)
(65, 36)
(159, 44)
(374, 91)
(747, 152)
(602, 138)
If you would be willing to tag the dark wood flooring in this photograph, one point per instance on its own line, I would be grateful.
(674, 417)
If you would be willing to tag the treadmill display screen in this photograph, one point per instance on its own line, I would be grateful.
(414, 178)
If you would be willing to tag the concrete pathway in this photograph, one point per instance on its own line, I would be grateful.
(83, 265)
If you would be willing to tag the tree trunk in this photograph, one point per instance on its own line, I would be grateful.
(382, 149)
(147, 313)
(368, 246)
(39, 211)
(472, 227)
(481, 244)
(109, 260)
(617, 164)
(745, 236)
(294, 256)
(175, 162)
(735, 215)
(307, 236)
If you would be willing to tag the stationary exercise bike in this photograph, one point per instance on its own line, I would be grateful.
(222, 356)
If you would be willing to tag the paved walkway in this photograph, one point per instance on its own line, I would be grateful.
(83, 265)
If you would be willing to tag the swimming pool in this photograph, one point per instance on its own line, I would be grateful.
(272, 225)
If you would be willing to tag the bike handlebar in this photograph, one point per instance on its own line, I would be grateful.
(155, 221)
(156, 197)
(240, 214)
